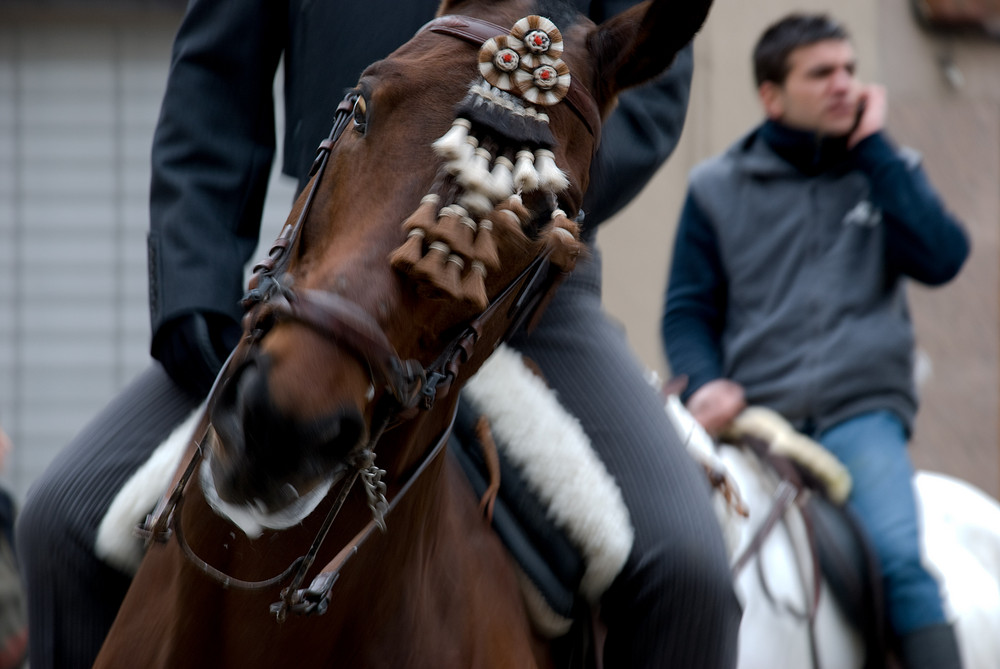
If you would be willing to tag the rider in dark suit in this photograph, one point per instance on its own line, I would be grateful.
(673, 603)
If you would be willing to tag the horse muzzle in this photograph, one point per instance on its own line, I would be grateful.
(262, 455)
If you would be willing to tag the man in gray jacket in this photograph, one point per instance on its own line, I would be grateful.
(787, 290)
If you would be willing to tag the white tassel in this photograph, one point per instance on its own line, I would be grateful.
(550, 177)
(502, 179)
(525, 176)
(476, 176)
(476, 203)
(451, 145)
(462, 163)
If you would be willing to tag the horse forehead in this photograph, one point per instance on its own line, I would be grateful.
(429, 52)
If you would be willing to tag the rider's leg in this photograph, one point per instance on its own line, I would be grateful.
(673, 604)
(873, 447)
(72, 596)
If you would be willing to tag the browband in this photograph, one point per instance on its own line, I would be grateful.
(477, 31)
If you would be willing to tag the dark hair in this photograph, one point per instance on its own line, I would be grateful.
(770, 56)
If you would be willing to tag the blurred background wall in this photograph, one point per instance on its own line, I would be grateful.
(80, 86)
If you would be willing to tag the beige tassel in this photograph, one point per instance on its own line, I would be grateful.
(416, 227)
(485, 247)
(409, 254)
(518, 213)
(562, 239)
(451, 276)
(457, 230)
(425, 215)
(473, 290)
(430, 268)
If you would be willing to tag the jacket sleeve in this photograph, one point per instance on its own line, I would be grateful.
(923, 240)
(637, 138)
(694, 314)
(211, 158)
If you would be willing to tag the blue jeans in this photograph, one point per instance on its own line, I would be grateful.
(873, 447)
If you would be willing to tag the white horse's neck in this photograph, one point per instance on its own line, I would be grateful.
(961, 540)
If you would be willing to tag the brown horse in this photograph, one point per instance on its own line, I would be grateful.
(413, 252)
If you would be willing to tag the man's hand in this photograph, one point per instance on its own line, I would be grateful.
(193, 347)
(873, 114)
(716, 404)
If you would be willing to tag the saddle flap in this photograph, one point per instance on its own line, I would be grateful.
(542, 550)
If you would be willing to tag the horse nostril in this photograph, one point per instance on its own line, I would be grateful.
(268, 455)
(352, 429)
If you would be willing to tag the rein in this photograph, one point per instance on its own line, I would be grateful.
(791, 491)
(411, 386)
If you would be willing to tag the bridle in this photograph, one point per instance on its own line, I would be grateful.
(410, 386)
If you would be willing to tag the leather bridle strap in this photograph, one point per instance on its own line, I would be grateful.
(791, 490)
(784, 496)
(316, 598)
(278, 257)
(520, 298)
(343, 321)
(477, 31)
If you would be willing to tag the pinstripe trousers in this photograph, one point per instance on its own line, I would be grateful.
(673, 605)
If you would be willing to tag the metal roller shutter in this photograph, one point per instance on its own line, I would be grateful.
(79, 97)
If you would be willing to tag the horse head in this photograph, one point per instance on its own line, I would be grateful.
(454, 165)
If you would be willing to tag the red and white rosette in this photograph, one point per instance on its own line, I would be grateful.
(539, 37)
(545, 84)
(527, 62)
(499, 58)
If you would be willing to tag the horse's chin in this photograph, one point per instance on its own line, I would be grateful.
(255, 517)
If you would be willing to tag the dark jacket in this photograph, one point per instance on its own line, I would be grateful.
(214, 143)
(789, 274)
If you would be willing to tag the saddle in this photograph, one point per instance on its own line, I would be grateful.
(556, 508)
(550, 566)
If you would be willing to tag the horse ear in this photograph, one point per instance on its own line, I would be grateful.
(641, 42)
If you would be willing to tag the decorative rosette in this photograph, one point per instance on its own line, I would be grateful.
(539, 37)
(527, 62)
(545, 84)
(499, 58)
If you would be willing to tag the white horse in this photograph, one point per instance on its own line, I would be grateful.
(961, 545)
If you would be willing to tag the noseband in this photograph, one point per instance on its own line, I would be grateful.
(410, 386)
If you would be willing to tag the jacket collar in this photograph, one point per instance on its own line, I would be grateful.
(774, 149)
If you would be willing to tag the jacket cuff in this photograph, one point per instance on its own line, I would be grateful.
(875, 152)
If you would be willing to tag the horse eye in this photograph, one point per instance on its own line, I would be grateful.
(360, 115)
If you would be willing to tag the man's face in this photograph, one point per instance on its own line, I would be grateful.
(820, 93)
